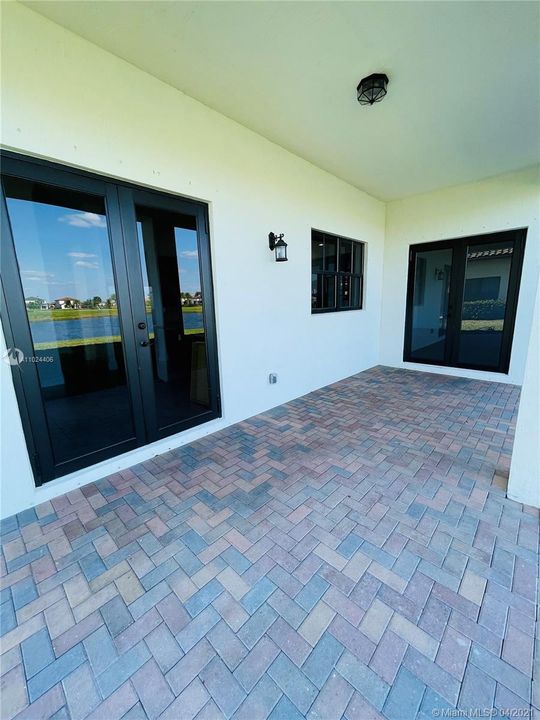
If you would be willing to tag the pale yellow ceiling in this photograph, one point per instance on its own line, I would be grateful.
(463, 100)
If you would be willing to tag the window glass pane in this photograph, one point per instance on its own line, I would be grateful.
(358, 259)
(187, 254)
(344, 291)
(330, 261)
(317, 252)
(484, 302)
(356, 298)
(345, 256)
(62, 243)
(316, 291)
(329, 291)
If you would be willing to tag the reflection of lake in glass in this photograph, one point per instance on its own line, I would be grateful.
(56, 331)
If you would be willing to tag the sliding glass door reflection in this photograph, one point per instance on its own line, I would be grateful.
(430, 304)
(169, 255)
(108, 315)
(61, 240)
(487, 275)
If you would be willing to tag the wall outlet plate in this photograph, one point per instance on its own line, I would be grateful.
(272, 378)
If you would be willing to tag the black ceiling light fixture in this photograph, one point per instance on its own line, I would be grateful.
(372, 88)
(278, 245)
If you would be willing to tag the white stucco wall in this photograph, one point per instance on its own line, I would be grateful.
(506, 202)
(524, 481)
(66, 100)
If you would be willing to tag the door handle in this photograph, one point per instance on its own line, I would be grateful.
(142, 326)
(144, 343)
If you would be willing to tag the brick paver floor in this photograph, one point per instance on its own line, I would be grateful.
(349, 554)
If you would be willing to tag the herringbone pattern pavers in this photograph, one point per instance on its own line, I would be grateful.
(350, 554)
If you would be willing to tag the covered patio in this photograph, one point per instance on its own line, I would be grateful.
(351, 553)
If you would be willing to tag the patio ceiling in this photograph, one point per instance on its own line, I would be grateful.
(464, 93)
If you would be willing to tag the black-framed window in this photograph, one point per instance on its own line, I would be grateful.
(337, 273)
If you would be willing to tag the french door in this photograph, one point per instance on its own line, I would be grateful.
(108, 314)
(461, 301)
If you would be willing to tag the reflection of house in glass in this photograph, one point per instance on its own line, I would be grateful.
(64, 303)
(487, 274)
(36, 303)
(190, 300)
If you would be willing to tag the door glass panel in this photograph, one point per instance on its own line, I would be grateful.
(174, 309)
(430, 304)
(62, 244)
(487, 273)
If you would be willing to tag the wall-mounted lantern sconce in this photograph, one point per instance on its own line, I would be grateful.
(279, 246)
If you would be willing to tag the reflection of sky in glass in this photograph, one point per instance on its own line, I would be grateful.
(146, 284)
(188, 260)
(61, 252)
(65, 253)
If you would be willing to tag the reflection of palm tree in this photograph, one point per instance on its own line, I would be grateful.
(34, 303)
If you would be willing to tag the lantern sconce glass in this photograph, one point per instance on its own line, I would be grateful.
(277, 244)
(372, 88)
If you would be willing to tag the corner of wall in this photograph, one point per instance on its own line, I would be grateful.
(508, 201)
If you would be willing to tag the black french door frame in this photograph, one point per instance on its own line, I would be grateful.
(458, 246)
(128, 282)
(129, 198)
